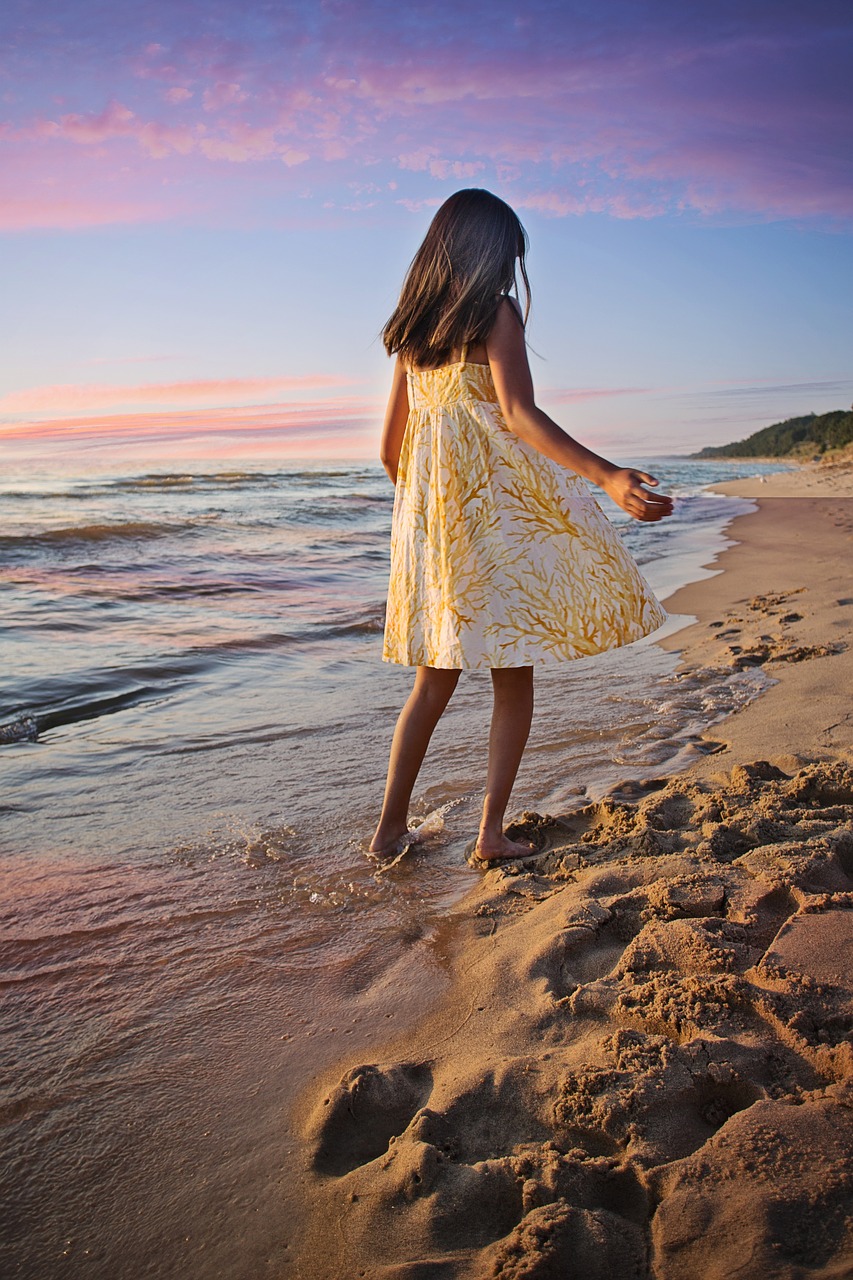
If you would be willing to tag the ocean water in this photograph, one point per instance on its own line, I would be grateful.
(194, 726)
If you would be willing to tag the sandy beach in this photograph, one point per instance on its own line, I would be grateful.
(642, 1064)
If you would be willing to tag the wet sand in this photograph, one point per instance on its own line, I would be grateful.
(642, 1064)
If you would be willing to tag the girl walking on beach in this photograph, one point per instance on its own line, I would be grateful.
(500, 557)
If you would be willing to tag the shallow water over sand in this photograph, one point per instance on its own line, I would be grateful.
(196, 724)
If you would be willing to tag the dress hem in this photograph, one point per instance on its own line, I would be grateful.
(539, 660)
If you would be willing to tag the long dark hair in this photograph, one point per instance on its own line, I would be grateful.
(457, 278)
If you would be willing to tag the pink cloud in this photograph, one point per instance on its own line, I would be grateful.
(579, 395)
(312, 419)
(117, 121)
(250, 144)
(291, 156)
(70, 212)
(96, 396)
(428, 160)
(560, 204)
(316, 415)
(237, 141)
(350, 442)
(418, 206)
(621, 112)
(222, 95)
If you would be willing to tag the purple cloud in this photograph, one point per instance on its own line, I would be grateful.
(634, 111)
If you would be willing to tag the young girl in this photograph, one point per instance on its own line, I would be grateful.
(500, 557)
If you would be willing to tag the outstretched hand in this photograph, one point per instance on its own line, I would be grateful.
(627, 489)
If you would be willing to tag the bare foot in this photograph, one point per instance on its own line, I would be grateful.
(385, 845)
(502, 849)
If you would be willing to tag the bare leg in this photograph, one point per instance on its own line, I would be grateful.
(422, 712)
(511, 718)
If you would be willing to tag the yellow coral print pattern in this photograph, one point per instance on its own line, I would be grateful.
(499, 557)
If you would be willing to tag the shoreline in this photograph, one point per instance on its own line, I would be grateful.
(658, 996)
(781, 601)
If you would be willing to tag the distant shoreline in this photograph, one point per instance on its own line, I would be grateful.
(746, 459)
(807, 438)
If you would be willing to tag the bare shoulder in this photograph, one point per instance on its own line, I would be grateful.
(506, 339)
(515, 305)
(508, 325)
(509, 312)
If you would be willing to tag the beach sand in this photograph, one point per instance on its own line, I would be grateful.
(642, 1065)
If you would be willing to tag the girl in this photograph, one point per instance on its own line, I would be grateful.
(500, 557)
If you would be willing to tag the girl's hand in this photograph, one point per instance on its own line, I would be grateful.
(626, 487)
(511, 373)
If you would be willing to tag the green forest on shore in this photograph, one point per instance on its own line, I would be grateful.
(809, 436)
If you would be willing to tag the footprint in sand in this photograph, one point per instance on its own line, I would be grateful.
(691, 1082)
(370, 1106)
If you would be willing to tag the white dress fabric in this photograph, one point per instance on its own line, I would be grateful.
(499, 557)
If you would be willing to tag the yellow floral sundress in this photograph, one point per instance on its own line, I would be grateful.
(499, 557)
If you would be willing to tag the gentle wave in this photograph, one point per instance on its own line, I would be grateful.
(178, 574)
(155, 480)
(28, 727)
(73, 701)
(368, 624)
(165, 591)
(131, 531)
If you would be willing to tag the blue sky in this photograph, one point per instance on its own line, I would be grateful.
(208, 209)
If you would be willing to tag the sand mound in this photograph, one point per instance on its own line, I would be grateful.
(653, 1071)
(773, 1191)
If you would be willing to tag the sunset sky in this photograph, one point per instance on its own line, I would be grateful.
(207, 210)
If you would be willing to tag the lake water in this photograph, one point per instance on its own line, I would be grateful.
(194, 726)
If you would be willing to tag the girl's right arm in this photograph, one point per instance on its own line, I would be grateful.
(511, 373)
(396, 417)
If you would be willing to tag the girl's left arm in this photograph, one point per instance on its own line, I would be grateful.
(396, 417)
(507, 354)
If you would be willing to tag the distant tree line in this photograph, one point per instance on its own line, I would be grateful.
(812, 434)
